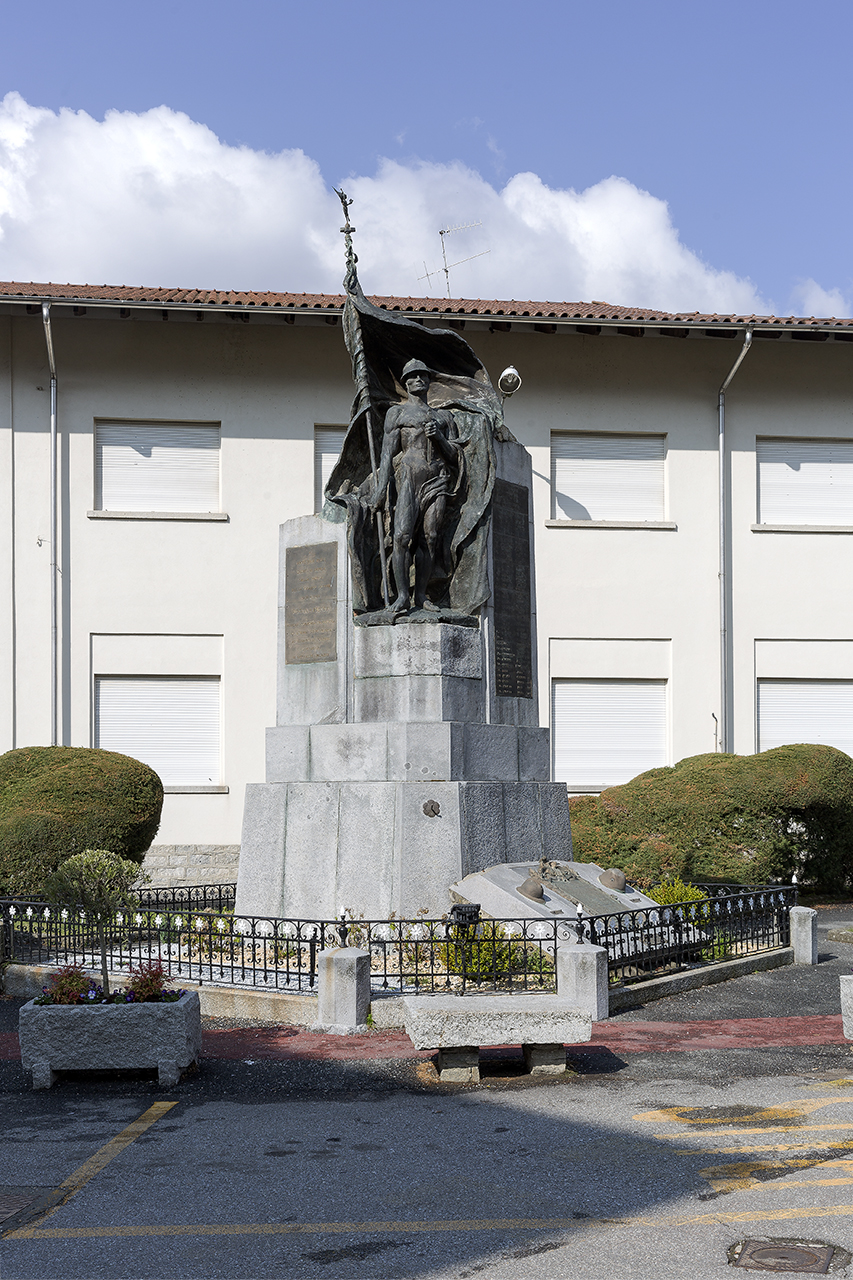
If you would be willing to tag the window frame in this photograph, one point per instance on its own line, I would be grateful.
(556, 520)
(99, 512)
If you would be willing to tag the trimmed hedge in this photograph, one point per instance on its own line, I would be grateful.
(742, 818)
(58, 801)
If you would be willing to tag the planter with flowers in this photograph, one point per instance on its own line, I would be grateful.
(79, 1025)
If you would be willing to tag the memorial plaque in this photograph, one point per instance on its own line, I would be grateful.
(311, 603)
(511, 571)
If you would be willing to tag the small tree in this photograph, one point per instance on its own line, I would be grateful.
(100, 883)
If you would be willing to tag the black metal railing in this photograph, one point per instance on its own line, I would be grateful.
(198, 897)
(454, 954)
(652, 942)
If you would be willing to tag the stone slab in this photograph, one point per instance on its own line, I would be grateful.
(804, 935)
(110, 1037)
(448, 1022)
(343, 987)
(418, 649)
(846, 983)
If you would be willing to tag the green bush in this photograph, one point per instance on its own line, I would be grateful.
(99, 882)
(57, 801)
(739, 818)
(675, 890)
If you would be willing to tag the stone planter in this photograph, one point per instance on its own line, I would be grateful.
(846, 981)
(57, 1037)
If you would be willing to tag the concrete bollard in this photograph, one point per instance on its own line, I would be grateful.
(343, 988)
(804, 935)
(582, 978)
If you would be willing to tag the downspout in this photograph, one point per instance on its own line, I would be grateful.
(54, 630)
(724, 605)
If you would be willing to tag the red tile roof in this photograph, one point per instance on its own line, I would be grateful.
(571, 312)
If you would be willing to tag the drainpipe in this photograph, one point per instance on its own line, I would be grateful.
(54, 631)
(725, 733)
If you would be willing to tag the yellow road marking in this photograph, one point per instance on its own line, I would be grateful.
(772, 1128)
(763, 1146)
(375, 1228)
(86, 1171)
(790, 1111)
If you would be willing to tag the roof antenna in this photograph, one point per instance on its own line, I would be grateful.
(448, 265)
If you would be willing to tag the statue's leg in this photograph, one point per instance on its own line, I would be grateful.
(433, 520)
(405, 517)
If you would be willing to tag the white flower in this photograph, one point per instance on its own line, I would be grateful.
(12, 911)
(220, 924)
(179, 922)
(119, 918)
(158, 920)
(138, 918)
(199, 924)
(65, 914)
(29, 912)
(46, 913)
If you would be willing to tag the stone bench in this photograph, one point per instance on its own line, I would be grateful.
(457, 1026)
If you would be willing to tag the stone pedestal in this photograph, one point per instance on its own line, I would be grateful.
(403, 757)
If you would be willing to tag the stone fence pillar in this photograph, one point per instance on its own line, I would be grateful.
(582, 978)
(343, 988)
(804, 935)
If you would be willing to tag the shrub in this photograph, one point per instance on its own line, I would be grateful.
(57, 801)
(738, 818)
(675, 890)
(101, 884)
(67, 985)
(147, 980)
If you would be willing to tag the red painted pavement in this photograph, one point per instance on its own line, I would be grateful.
(285, 1044)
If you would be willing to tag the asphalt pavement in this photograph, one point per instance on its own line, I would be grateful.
(650, 1162)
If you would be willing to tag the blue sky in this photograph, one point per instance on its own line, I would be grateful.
(733, 117)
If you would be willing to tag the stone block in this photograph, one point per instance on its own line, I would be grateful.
(288, 753)
(460, 1065)
(349, 753)
(534, 754)
(545, 1059)
(491, 753)
(343, 987)
(554, 821)
(804, 935)
(107, 1037)
(260, 879)
(364, 870)
(427, 846)
(583, 980)
(310, 848)
(448, 1022)
(417, 649)
(846, 980)
(431, 752)
(417, 697)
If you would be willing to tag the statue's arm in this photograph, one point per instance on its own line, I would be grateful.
(390, 445)
(439, 431)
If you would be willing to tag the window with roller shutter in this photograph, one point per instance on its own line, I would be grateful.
(157, 466)
(171, 723)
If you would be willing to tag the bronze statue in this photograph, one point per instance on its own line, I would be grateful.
(417, 470)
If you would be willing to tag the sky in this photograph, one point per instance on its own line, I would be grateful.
(685, 156)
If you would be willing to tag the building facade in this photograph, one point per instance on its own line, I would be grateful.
(190, 425)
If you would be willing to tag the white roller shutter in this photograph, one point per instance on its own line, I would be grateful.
(605, 732)
(328, 442)
(805, 482)
(145, 466)
(170, 723)
(607, 477)
(818, 711)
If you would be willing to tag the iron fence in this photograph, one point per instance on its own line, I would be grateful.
(196, 897)
(458, 953)
(651, 942)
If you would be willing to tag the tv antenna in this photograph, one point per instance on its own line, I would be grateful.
(448, 265)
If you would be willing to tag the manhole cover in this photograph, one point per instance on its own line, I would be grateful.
(784, 1255)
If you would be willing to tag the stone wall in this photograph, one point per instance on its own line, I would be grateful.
(180, 864)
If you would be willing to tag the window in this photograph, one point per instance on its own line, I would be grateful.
(818, 711)
(605, 732)
(805, 482)
(156, 466)
(607, 477)
(328, 442)
(169, 722)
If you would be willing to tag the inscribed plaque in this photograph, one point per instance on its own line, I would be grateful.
(511, 570)
(310, 603)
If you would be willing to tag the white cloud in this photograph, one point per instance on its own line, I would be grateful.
(155, 198)
(809, 299)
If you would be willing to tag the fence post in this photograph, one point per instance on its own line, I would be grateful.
(582, 978)
(343, 989)
(804, 935)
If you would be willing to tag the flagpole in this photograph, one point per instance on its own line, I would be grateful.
(359, 361)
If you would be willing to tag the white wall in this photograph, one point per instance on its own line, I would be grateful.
(611, 601)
